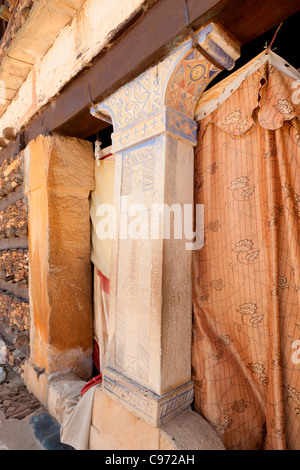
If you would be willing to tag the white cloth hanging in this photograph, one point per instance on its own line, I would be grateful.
(76, 413)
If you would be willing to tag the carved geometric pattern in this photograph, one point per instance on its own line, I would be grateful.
(126, 181)
(148, 180)
(143, 155)
(178, 124)
(120, 335)
(156, 410)
(143, 405)
(139, 131)
(176, 82)
(176, 402)
(188, 81)
(137, 101)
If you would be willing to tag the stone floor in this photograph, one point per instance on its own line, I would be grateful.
(24, 422)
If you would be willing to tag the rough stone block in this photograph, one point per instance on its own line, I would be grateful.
(59, 175)
(189, 431)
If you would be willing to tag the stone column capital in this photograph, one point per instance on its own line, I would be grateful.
(164, 98)
(165, 120)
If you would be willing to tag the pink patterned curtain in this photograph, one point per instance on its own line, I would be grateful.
(246, 323)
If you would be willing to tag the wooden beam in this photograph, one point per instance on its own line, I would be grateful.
(84, 126)
(145, 43)
(148, 41)
(248, 19)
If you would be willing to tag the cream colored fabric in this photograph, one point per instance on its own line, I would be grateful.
(103, 194)
(76, 414)
(101, 305)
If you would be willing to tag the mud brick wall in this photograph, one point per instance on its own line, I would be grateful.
(14, 305)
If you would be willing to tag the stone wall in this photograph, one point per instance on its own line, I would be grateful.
(20, 12)
(13, 220)
(14, 306)
(72, 49)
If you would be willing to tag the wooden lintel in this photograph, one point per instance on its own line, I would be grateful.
(148, 40)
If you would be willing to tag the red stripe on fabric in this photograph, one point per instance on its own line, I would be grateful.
(104, 282)
(95, 381)
(106, 156)
(96, 356)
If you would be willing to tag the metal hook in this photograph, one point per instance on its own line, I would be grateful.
(195, 42)
(98, 114)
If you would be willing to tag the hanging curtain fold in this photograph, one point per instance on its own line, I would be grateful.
(100, 254)
(246, 279)
(103, 194)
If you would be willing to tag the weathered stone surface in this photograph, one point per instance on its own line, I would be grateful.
(13, 262)
(58, 178)
(155, 410)
(115, 428)
(151, 277)
(64, 47)
(189, 431)
(14, 359)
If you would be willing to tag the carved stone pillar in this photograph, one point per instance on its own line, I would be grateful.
(151, 286)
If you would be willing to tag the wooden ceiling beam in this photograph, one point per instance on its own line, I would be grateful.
(148, 41)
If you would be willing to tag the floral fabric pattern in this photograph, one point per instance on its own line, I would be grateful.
(246, 282)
